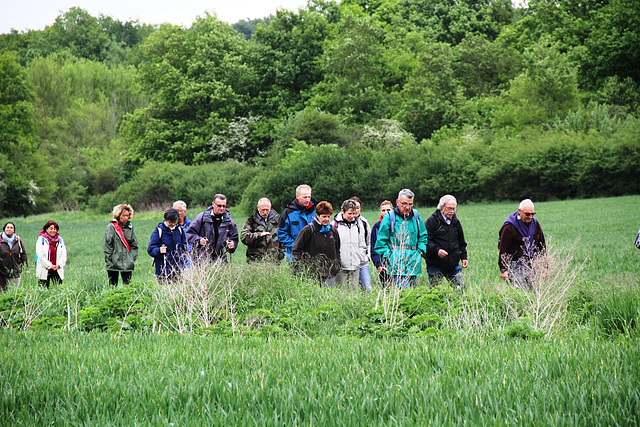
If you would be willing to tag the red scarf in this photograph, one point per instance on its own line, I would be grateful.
(116, 225)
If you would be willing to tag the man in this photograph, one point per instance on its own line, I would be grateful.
(521, 240)
(168, 247)
(446, 247)
(402, 241)
(354, 252)
(213, 231)
(295, 217)
(260, 234)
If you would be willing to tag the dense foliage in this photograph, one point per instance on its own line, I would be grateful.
(483, 100)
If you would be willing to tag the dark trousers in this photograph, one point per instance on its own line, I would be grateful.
(52, 276)
(113, 277)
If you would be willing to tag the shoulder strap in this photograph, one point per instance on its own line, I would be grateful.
(159, 232)
(392, 220)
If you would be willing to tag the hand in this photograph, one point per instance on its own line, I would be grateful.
(465, 263)
(442, 253)
(264, 233)
(163, 249)
(379, 269)
(504, 275)
(230, 244)
(203, 241)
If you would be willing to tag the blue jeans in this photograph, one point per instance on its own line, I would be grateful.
(405, 282)
(454, 276)
(365, 278)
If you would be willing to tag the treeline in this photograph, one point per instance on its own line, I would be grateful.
(478, 99)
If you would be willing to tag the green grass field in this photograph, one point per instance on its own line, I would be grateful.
(271, 349)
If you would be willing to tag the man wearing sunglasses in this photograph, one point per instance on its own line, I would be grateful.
(521, 240)
(213, 231)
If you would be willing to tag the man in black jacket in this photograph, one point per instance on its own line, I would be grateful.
(446, 247)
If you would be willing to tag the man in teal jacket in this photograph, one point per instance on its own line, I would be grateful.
(402, 241)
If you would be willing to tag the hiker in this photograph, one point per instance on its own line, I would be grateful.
(294, 218)
(120, 245)
(51, 255)
(260, 234)
(521, 241)
(364, 277)
(317, 248)
(354, 252)
(213, 232)
(385, 280)
(13, 256)
(446, 248)
(168, 247)
(402, 241)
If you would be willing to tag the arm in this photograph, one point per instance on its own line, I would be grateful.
(107, 246)
(247, 235)
(422, 238)
(431, 225)
(375, 257)
(462, 245)
(42, 251)
(154, 244)
(300, 245)
(383, 239)
(233, 236)
(284, 234)
(505, 249)
(23, 254)
(133, 245)
(61, 257)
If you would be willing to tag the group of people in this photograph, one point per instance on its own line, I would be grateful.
(333, 249)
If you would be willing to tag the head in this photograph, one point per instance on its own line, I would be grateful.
(171, 217)
(264, 207)
(526, 211)
(122, 213)
(385, 207)
(358, 203)
(324, 210)
(181, 207)
(405, 201)
(9, 228)
(349, 209)
(447, 205)
(51, 228)
(303, 194)
(219, 204)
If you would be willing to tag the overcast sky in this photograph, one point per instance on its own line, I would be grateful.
(25, 15)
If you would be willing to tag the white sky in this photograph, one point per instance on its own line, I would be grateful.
(25, 15)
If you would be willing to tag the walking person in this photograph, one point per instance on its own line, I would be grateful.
(354, 252)
(364, 276)
(13, 256)
(213, 233)
(120, 245)
(168, 247)
(295, 217)
(260, 234)
(385, 280)
(51, 255)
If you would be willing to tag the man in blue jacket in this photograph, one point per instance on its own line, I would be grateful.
(213, 231)
(295, 217)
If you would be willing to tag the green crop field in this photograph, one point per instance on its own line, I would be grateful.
(268, 348)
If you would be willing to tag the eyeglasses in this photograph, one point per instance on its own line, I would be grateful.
(528, 213)
(406, 204)
(220, 206)
(446, 208)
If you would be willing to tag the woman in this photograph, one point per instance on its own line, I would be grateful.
(12, 256)
(51, 255)
(120, 245)
(317, 247)
(168, 247)
(385, 280)
(365, 272)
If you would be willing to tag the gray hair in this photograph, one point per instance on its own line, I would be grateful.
(301, 187)
(524, 203)
(349, 204)
(181, 204)
(219, 197)
(407, 193)
(446, 199)
(263, 201)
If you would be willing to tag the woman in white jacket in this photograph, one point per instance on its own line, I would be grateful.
(354, 253)
(51, 255)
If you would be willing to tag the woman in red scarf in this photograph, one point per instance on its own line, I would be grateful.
(51, 255)
(120, 245)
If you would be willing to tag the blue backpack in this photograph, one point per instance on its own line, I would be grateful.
(392, 219)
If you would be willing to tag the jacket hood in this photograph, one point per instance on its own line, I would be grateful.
(226, 216)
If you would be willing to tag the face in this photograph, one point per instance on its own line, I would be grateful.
(324, 219)
(304, 197)
(526, 213)
(449, 209)
(219, 206)
(264, 209)
(9, 230)
(349, 215)
(171, 224)
(124, 216)
(51, 231)
(357, 209)
(405, 205)
(181, 212)
(385, 209)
